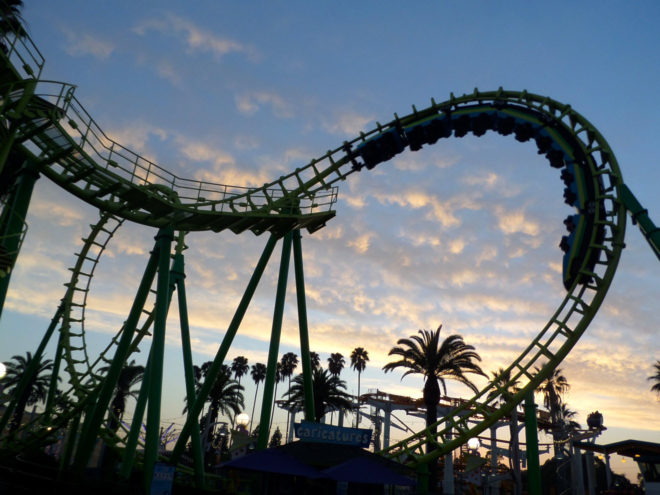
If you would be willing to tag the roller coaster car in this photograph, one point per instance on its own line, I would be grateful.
(428, 132)
(381, 148)
(584, 231)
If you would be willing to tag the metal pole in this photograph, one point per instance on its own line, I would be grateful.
(531, 435)
(52, 389)
(91, 426)
(136, 423)
(203, 392)
(14, 219)
(310, 413)
(152, 443)
(179, 276)
(269, 384)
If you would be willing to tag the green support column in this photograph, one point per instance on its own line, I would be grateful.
(531, 435)
(310, 414)
(13, 220)
(178, 273)
(95, 418)
(152, 441)
(194, 411)
(15, 112)
(273, 351)
(128, 459)
(67, 452)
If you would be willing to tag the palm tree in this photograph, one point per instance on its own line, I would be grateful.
(226, 397)
(10, 17)
(36, 389)
(329, 392)
(258, 374)
(129, 376)
(359, 358)
(553, 388)
(436, 361)
(289, 362)
(240, 367)
(279, 377)
(288, 365)
(656, 378)
(336, 363)
(568, 418)
(315, 359)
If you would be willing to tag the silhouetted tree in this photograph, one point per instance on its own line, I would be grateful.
(656, 378)
(36, 389)
(240, 367)
(436, 361)
(129, 376)
(10, 17)
(359, 358)
(336, 363)
(315, 359)
(288, 363)
(329, 391)
(276, 439)
(258, 374)
(552, 389)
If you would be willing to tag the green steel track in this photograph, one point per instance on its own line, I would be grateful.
(49, 127)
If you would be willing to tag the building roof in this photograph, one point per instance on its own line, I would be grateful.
(627, 448)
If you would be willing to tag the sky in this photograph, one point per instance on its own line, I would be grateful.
(464, 233)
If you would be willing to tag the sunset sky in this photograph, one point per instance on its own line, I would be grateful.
(464, 233)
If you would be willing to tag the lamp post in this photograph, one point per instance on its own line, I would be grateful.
(473, 444)
(242, 420)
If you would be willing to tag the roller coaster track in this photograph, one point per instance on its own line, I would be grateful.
(52, 129)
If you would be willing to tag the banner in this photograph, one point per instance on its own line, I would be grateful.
(318, 432)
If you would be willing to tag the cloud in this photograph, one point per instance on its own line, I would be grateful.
(195, 38)
(81, 44)
(64, 215)
(513, 222)
(137, 135)
(441, 211)
(249, 103)
(361, 243)
(347, 123)
(169, 72)
(488, 180)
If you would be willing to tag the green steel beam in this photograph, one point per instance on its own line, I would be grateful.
(128, 459)
(152, 442)
(179, 277)
(310, 413)
(194, 411)
(14, 219)
(52, 389)
(100, 407)
(532, 439)
(15, 112)
(640, 216)
(273, 351)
